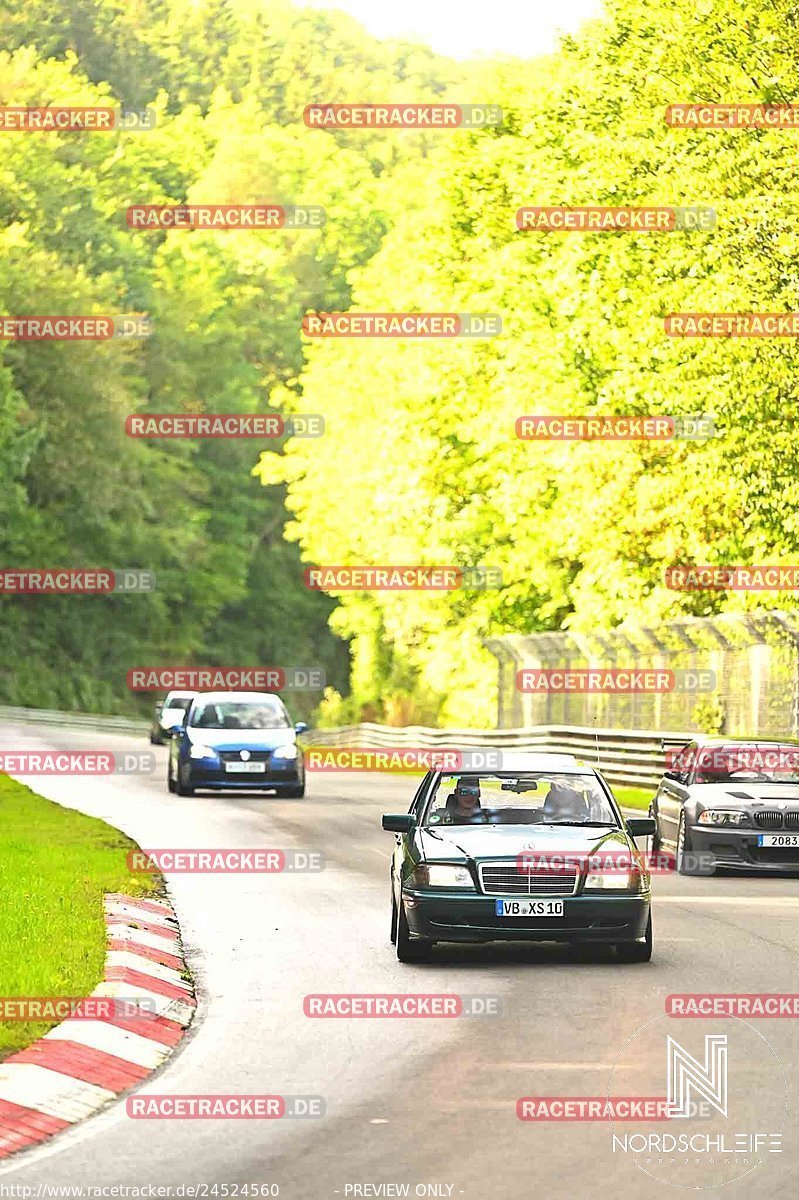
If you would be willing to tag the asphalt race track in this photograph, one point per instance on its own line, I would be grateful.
(427, 1103)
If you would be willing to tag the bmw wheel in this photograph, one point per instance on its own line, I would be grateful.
(684, 848)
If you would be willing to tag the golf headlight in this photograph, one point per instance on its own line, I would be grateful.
(722, 816)
(285, 751)
(447, 875)
(600, 880)
(198, 751)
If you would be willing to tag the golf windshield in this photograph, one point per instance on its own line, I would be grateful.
(240, 714)
(532, 798)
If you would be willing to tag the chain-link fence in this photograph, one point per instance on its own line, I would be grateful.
(751, 660)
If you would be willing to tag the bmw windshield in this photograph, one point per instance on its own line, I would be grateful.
(753, 763)
(534, 798)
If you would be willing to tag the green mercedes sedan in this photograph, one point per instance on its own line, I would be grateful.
(537, 850)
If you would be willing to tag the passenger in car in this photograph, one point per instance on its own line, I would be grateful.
(564, 803)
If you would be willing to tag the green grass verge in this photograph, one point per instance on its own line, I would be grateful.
(633, 797)
(55, 867)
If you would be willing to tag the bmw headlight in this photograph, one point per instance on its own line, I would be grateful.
(723, 816)
(447, 875)
(198, 751)
(287, 752)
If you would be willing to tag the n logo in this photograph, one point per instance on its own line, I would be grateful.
(686, 1074)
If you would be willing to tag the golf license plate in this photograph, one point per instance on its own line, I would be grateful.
(788, 841)
(528, 908)
(245, 768)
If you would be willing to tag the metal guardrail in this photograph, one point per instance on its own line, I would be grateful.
(625, 756)
(46, 716)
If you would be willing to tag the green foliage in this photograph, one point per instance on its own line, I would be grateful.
(56, 865)
(582, 531)
(419, 462)
(709, 715)
(229, 82)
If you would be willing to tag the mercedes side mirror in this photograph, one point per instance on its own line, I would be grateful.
(398, 822)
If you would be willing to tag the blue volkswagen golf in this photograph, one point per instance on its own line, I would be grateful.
(237, 741)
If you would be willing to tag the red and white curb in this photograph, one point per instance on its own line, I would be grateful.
(82, 1065)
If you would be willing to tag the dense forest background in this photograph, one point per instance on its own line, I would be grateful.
(419, 462)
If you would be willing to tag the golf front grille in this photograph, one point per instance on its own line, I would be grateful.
(259, 756)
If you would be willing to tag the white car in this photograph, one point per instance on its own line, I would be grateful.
(168, 714)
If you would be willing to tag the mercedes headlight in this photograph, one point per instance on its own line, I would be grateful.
(723, 816)
(616, 881)
(447, 875)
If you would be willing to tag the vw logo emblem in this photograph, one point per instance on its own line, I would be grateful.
(245, 754)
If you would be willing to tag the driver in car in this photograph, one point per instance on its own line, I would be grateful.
(463, 805)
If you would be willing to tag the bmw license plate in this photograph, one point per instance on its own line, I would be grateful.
(787, 840)
(246, 768)
(528, 908)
